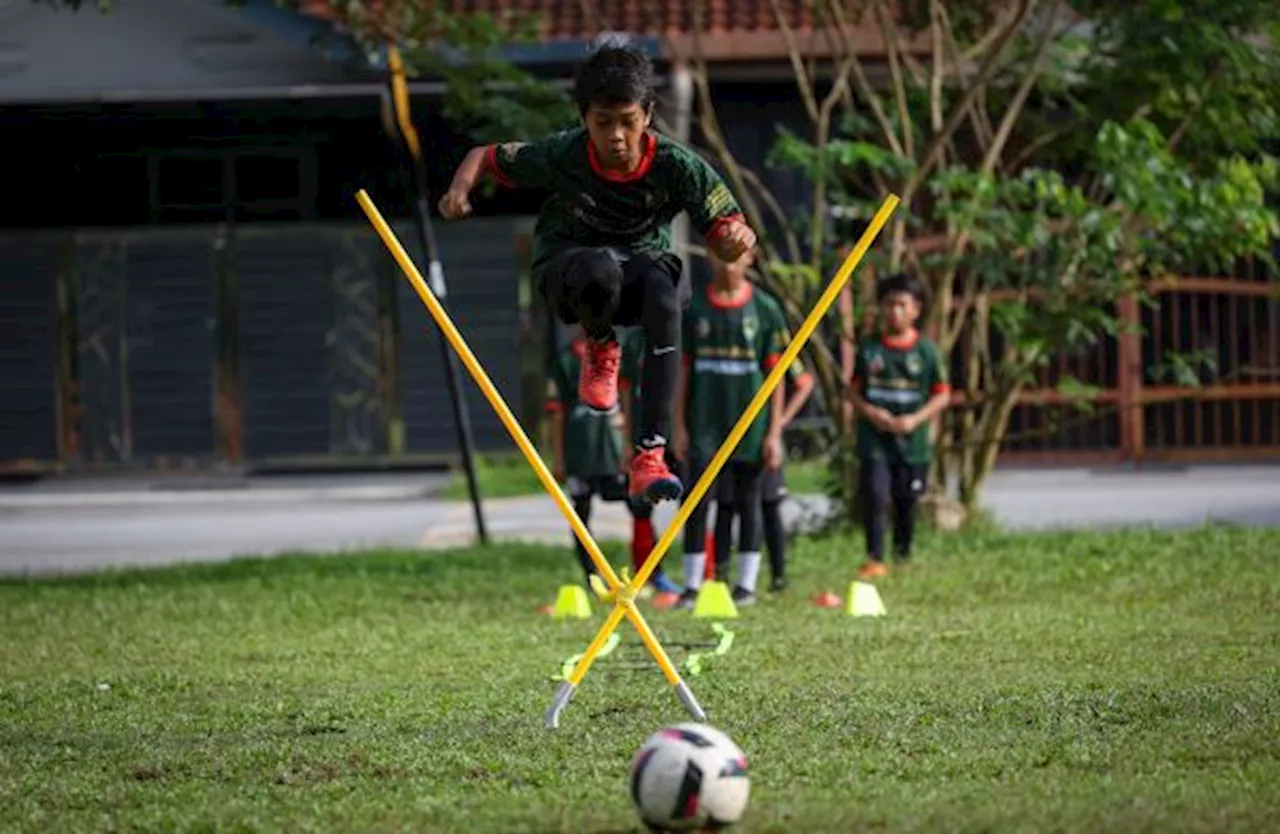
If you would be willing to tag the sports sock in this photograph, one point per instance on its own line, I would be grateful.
(695, 565)
(748, 570)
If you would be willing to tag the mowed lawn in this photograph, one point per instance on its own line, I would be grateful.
(1074, 682)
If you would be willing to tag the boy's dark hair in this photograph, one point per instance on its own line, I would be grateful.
(900, 282)
(612, 75)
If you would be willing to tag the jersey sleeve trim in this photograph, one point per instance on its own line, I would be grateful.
(940, 388)
(494, 169)
(721, 224)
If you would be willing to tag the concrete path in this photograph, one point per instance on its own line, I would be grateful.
(76, 525)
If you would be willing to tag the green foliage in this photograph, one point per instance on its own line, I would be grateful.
(488, 98)
(1082, 395)
(1214, 63)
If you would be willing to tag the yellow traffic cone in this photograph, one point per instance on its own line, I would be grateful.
(864, 601)
(715, 602)
(572, 603)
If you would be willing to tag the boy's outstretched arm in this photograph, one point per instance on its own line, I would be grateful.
(456, 202)
(512, 164)
(715, 211)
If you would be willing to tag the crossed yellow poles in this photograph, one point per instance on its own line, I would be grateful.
(624, 595)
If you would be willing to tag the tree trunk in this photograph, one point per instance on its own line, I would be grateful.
(989, 449)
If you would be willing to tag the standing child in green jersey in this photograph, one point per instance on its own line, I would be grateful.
(899, 385)
(733, 336)
(602, 244)
(773, 490)
(586, 445)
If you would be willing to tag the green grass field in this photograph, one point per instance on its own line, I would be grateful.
(1075, 682)
(510, 476)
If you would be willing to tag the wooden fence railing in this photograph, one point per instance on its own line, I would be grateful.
(1139, 413)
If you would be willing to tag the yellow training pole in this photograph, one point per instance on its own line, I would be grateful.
(626, 598)
(735, 436)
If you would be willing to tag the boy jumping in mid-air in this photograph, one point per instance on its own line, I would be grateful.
(899, 385)
(733, 336)
(603, 237)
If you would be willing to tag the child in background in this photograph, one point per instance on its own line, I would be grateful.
(773, 490)
(733, 336)
(899, 385)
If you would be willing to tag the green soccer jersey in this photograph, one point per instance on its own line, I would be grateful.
(591, 206)
(729, 347)
(900, 377)
(592, 441)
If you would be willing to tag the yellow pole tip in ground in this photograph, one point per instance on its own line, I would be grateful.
(715, 602)
(864, 601)
(572, 603)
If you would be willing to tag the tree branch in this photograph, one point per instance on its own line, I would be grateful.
(712, 132)
(889, 34)
(959, 109)
(1014, 110)
(981, 122)
(937, 69)
(1030, 149)
(803, 76)
(865, 90)
(775, 208)
(993, 35)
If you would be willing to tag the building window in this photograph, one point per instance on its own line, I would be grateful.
(211, 186)
(188, 187)
(274, 185)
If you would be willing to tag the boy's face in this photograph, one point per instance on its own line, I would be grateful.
(617, 131)
(899, 311)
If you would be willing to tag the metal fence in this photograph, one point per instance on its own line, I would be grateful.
(262, 346)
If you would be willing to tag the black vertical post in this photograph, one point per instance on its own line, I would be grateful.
(435, 278)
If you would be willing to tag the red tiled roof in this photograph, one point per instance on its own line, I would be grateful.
(579, 19)
(734, 28)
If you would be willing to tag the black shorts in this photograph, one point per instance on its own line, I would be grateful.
(605, 487)
(569, 271)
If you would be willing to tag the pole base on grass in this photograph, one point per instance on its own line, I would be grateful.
(561, 700)
(690, 702)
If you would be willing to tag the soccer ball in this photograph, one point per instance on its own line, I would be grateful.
(689, 777)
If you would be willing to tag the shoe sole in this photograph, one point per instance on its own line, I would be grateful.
(660, 491)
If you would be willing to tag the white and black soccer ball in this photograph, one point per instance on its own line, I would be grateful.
(689, 777)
